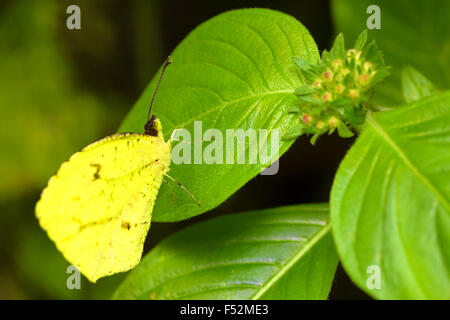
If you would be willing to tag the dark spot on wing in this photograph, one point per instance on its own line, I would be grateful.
(125, 225)
(97, 171)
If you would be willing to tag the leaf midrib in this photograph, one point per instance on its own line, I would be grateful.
(230, 102)
(287, 266)
(390, 141)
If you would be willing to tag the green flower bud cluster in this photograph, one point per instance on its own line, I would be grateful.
(337, 89)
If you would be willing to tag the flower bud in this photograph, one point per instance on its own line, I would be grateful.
(318, 84)
(353, 54)
(336, 63)
(328, 75)
(339, 88)
(320, 125)
(306, 118)
(364, 78)
(368, 66)
(333, 122)
(337, 91)
(344, 72)
(326, 96)
(353, 93)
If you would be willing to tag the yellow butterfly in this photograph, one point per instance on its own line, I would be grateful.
(97, 208)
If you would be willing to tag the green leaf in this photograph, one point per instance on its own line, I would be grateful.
(294, 109)
(380, 75)
(360, 41)
(371, 52)
(281, 253)
(303, 64)
(338, 49)
(325, 55)
(314, 138)
(390, 202)
(304, 90)
(415, 85)
(294, 132)
(355, 116)
(343, 131)
(233, 71)
(413, 32)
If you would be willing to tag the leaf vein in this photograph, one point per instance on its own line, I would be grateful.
(388, 139)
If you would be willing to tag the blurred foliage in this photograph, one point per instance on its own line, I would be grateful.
(413, 32)
(43, 117)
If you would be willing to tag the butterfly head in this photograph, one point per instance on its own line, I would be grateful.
(153, 126)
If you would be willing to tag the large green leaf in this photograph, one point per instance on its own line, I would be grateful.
(390, 202)
(413, 32)
(233, 71)
(281, 253)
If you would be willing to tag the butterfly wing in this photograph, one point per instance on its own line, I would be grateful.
(97, 207)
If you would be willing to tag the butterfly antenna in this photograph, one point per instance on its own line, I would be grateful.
(166, 63)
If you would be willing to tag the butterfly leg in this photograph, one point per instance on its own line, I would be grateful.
(184, 188)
